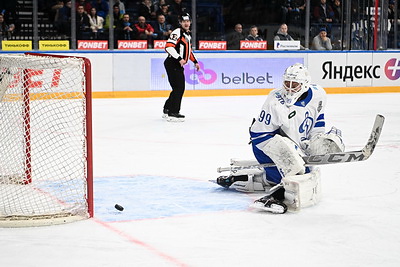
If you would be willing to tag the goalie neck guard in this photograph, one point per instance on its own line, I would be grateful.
(296, 81)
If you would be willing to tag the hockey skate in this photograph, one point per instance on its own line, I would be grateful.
(175, 117)
(225, 181)
(165, 113)
(269, 203)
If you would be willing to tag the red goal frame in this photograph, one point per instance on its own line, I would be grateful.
(87, 70)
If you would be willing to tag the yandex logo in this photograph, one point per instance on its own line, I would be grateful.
(253, 45)
(212, 45)
(92, 45)
(132, 44)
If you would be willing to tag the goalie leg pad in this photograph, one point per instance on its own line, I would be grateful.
(302, 191)
(285, 154)
(249, 186)
(254, 183)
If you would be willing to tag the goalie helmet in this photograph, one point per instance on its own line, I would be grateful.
(296, 81)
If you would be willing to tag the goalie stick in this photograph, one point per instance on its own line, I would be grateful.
(331, 158)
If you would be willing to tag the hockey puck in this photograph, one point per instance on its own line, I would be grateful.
(119, 207)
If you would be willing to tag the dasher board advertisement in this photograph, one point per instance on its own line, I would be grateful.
(226, 73)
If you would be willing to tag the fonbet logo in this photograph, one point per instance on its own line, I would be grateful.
(205, 76)
(392, 69)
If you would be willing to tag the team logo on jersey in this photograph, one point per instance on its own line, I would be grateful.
(305, 126)
(392, 69)
(205, 76)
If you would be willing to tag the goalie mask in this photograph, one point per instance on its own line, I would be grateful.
(296, 81)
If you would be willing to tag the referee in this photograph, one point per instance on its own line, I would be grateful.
(179, 51)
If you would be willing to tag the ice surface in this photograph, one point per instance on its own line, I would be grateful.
(159, 172)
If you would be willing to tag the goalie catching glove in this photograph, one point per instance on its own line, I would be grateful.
(324, 143)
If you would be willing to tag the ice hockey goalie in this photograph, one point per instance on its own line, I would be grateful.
(291, 124)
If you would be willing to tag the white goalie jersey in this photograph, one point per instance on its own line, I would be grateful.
(288, 138)
(299, 122)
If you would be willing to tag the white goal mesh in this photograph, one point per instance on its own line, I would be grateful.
(45, 140)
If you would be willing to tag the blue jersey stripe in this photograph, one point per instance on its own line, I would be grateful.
(257, 138)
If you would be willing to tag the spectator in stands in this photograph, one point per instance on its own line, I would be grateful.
(162, 29)
(158, 4)
(121, 6)
(9, 7)
(391, 12)
(125, 28)
(6, 30)
(285, 5)
(147, 10)
(322, 41)
(144, 30)
(296, 14)
(54, 10)
(253, 34)
(164, 10)
(117, 16)
(96, 24)
(283, 34)
(337, 11)
(323, 14)
(234, 38)
(82, 24)
(63, 20)
(392, 21)
(335, 30)
(9, 10)
(101, 7)
(86, 5)
(292, 11)
(177, 8)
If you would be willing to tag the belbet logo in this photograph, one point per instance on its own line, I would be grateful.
(245, 78)
(204, 75)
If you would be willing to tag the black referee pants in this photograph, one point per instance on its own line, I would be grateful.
(176, 78)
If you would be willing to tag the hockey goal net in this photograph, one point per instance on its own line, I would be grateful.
(45, 140)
